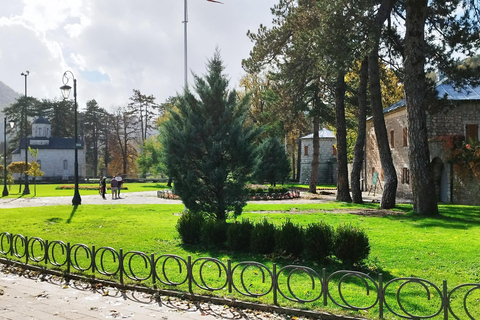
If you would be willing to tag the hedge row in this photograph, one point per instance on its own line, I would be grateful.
(317, 241)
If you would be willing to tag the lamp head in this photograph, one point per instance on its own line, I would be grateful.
(65, 91)
(26, 73)
(12, 124)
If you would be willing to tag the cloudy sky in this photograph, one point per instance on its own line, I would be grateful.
(115, 46)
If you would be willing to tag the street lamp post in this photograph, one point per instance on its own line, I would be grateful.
(26, 189)
(5, 190)
(77, 200)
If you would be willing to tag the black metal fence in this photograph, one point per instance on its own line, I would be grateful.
(345, 289)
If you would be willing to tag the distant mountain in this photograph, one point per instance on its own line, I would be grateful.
(7, 95)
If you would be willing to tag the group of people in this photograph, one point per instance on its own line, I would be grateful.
(115, 185)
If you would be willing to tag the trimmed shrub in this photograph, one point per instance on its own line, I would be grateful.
(351, 244)
(238, 235)
(289, 239)
(262, 239)
(189, 227)
(318, 241)
(214, 233)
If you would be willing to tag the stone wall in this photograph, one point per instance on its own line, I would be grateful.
(396, 123)
(452, 121)
(449, 186)
(327, 168)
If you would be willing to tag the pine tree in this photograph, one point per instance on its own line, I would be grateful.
(272, 162)
(207, 148)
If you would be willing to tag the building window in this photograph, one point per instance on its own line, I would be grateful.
(305, 149)
(405, 137)
(65, 165)
(334, 150)
(471, 133)
(405, 176)
(392, 139)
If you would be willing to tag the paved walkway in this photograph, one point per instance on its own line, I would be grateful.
(150, 197)
(28, 296)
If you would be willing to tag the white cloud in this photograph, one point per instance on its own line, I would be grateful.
(115, 46)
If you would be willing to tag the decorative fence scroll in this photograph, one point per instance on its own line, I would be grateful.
(351, 290)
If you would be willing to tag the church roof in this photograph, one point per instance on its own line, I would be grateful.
(41, 120)
(49, 144)
(324, 133)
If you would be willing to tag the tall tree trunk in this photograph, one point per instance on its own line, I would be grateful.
(424, 200)
(389, 173)
(299, 156)
(359, 149)
(293, 164)
(316, 150)
(343, 192)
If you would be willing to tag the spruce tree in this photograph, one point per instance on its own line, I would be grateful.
(207, 147)
(272, 162)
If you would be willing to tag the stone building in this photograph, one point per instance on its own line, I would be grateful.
(459, 118)
(327, 168)
(56, 156)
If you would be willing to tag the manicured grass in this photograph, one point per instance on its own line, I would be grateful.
(441, 248)
(50, 190)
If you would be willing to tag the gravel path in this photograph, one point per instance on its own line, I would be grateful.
(145, 197)
(150, 197)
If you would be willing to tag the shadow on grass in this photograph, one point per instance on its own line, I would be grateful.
(370, 267)
(75, 207)
(451, 217)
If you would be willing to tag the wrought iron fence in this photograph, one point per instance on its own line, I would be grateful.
(295, 283)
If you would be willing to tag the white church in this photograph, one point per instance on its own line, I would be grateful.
(56, 156)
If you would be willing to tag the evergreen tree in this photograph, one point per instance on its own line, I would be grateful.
(207, 147)
(94, 118)
(272, 162)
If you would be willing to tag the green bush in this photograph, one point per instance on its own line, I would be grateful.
(214, 233)
(259, 190)
(318, 241)
(282, 190)
(262, 239)
(289, 239)
(189, 227)
(238, 235)
(351, 244)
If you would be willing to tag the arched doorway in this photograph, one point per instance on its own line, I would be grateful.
(440, 180)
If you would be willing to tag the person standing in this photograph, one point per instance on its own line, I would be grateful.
(114, 187)
(119, 179)
(103, 187)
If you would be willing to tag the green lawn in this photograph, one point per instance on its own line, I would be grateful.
(442, 248)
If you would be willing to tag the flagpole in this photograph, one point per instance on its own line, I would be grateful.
(185, 21)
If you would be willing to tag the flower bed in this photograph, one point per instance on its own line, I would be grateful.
(167, 194)
(290, 194)
(250, 193)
